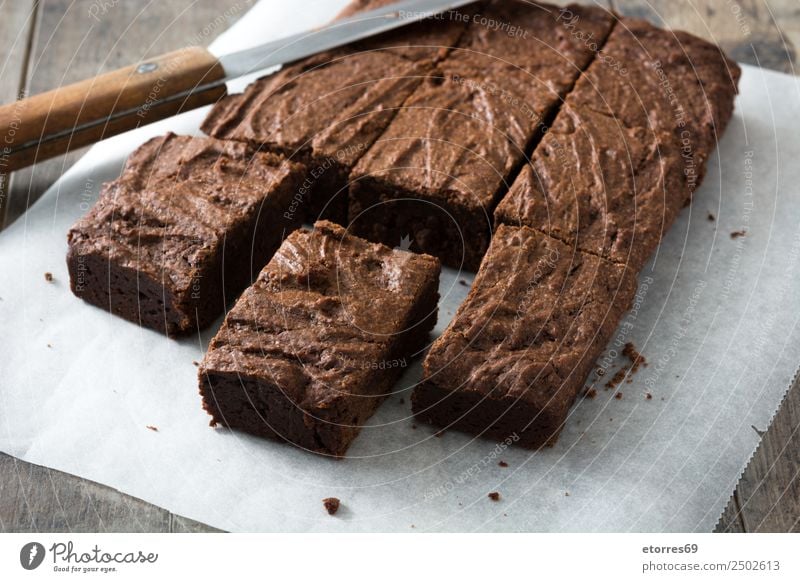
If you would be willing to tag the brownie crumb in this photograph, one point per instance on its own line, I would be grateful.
(591, 393)
(711, 217)
(648, 396)
(331, 505)
(566, 493)
(462, 282)
(618, 395)
(439, 434)
(402, 401)
(494, 496)
(195, 363)
(738, 233)
(153, 428)
(503, 464)
(49, 345)
(636, 359)
(48, 277)
(617, 379)
(414, 426)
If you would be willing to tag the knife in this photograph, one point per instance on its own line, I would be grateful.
(55, 122)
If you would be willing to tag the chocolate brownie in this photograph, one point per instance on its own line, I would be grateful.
(517, 43)
(182, 231)
(518, 351)
(348, 98)
(436, 174)
(667, 81)
(598, 185)
(437, 171)
(315, 344)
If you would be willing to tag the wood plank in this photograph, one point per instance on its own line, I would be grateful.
(748, 30)
(35, 499)
(16, 32)
(769, 491)
(79, 39)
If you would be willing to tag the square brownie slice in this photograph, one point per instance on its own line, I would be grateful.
(315, 344)
(520, 347)
(182, 231)
(324, 111)
(436, 174)
(667, 81)
(516, 42)
(432, 180)
(598, 185)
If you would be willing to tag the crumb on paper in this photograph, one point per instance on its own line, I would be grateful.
(618, 395)
(617, 379)
(331, 505)
(402, 401)
(462, 282)
(439, 434)
(494, 496)
(711, 217)
(591, 393)
(566, 493)
(636, 359)
(195, 363)
(48, 276)
(503, 464)
(153, 428)
(49, 345)
(648, 396)
(738, 233)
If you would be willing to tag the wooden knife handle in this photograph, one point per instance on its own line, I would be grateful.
(55, 122)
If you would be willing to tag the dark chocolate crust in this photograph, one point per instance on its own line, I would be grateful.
(182, 231)
(315, 344)
(594, 183)
(666, 81)
(324, 111)
(520, 347)
(438, 170)
(442, 165)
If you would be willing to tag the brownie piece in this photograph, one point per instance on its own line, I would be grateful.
(667, 81)
(313, 346)
(437, 171)
(348, 98)
(531, 45)
(598, 185)
(521, 345)
(435, 176)
(182, 231)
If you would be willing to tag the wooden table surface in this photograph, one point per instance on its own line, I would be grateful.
(47, 43)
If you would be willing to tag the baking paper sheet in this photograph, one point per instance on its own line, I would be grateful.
(716, 317)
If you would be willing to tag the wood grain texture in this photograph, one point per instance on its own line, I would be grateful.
(16, 28)
(767, 498)
(757, 32)
(79, 39)
(38, 499)
(48, 124)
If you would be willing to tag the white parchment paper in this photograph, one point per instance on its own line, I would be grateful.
(717, 318)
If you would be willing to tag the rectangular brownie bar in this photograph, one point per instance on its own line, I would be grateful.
(519, 349)
(436, 174)
(182, 231)
(315, 344)
(599, 186)
(348, 97)
(665, 81)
